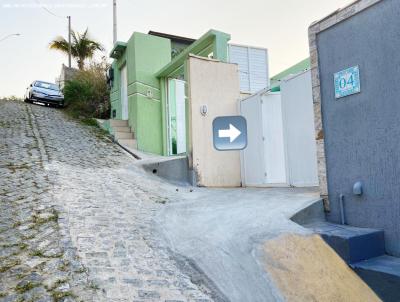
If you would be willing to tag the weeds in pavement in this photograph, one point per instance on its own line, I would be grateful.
(9, 265)
(25, 286)
(60, 295)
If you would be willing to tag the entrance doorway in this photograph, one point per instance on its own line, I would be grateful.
(176, 117)
(124, 93)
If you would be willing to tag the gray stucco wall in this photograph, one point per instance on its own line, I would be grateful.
(362, 131)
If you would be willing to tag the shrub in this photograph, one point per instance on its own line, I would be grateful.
(11, 98)
(87, 95)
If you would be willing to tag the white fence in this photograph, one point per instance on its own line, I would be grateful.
(281, 138)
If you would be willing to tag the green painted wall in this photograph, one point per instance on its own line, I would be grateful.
(149, 65)
(144, 56)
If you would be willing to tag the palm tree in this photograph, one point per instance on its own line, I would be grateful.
(82, 47)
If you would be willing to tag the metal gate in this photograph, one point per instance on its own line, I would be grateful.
(263, 161)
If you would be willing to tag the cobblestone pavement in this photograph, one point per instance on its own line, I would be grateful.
(76, 219)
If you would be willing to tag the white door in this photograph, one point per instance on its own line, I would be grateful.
(253, 161)
(274, 145)
(298, 113)
(124, 93)
(176, 116)
(180, 117)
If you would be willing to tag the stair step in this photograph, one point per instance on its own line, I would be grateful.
(130, 143)
(382, 274)
(351, 243)
(122, 129)
(119, 123)
(123, 135)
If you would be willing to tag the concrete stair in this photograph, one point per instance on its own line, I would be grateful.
(364, 251)
(351, 243)
(382, 274)
(122, 129)
(119, 123)
(129, 143)
(123, 133)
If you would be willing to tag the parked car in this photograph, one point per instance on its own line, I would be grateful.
(44, 92)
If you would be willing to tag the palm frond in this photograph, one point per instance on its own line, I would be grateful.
(82, 47)
(59, 43)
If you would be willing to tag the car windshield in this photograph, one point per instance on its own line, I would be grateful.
(47, 86)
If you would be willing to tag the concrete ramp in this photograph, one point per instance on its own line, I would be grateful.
(220, 231)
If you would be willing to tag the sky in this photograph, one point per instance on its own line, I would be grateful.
(279, 25)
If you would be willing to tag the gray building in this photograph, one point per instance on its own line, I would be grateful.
(355, 58)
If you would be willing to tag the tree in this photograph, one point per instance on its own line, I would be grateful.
(82, 47)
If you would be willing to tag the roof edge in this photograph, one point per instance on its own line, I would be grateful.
(171, 37)
(347, 11)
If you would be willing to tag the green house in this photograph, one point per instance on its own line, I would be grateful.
(148, 95)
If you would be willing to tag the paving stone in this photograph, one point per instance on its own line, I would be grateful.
(75, 219)
(149, 294)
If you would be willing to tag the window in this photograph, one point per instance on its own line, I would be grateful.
(253, 67)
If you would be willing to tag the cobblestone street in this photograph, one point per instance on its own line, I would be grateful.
(77, 217)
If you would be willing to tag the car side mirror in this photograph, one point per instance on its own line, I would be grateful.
(30, 85)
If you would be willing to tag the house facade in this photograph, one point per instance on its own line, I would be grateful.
(153, 68)
(155, 82)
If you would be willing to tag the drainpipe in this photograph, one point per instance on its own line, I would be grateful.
(342, 213)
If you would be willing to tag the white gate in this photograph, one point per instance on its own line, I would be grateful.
(263, 161)
(281, 138)
(253, 159)
(274, 146)
(298, 120)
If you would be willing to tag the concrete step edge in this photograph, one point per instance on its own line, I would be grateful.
(122, 129)
(119, 123)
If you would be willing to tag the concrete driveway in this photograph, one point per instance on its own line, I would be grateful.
(219, 233)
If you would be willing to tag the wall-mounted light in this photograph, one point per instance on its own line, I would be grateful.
(358, 188)
(203, 110)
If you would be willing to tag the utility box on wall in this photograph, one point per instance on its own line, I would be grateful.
(358, 123)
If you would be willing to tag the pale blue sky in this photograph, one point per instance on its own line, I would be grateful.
(279, 25)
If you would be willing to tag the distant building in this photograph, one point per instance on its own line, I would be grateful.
(293, 70)
(66, 74)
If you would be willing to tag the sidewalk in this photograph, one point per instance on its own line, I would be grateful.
(219, 231)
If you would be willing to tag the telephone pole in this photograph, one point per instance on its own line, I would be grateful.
(114, 21)
(69, 41)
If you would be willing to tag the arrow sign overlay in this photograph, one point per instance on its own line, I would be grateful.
(229, 133)
(233, 133)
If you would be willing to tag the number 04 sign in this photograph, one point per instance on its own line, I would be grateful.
(347, 82)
